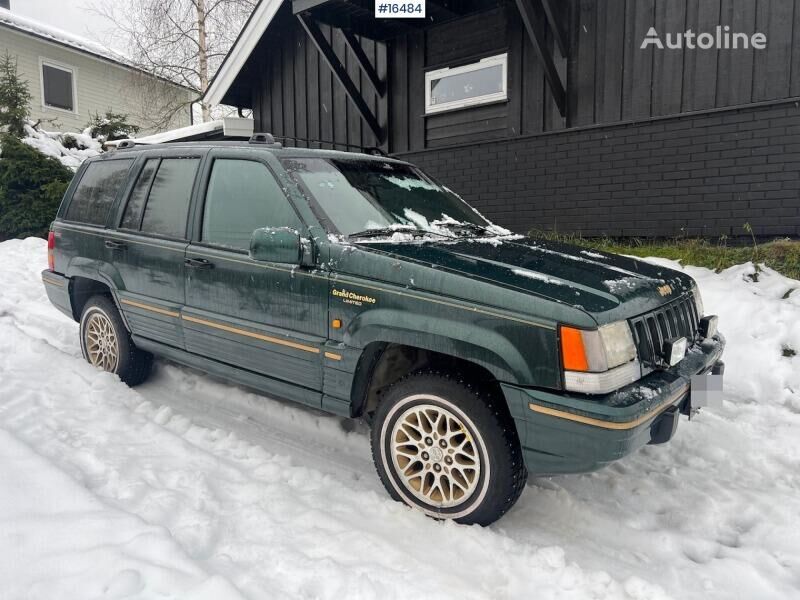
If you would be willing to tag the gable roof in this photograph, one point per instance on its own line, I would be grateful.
(70, 40)
(236, 58)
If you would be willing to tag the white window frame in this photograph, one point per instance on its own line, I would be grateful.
(61, 67)
(489, 61)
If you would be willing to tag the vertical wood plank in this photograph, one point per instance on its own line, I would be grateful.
(276, 96)
(515, 84)
(670, 18)
(398, 90)
(610, 60)
(340, 102)
(581, 75)
(416, 90)
(638, 69)
(313, 92)
(300, 87)
(735, 67)
(382, 66)
(700, 66)
(353, 117)
(772, 68)
(532, 90)
(326, 116)
(288, 50)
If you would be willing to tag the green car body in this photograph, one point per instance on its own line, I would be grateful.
(318, 319)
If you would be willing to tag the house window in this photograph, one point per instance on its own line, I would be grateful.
(58, 87)
(468, 85)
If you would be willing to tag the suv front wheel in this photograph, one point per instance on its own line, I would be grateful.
(446, 448)
(106, 343)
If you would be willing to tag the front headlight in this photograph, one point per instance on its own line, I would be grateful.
(698, 301)
(598, 361)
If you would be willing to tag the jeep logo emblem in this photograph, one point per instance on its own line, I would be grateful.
(665, 290)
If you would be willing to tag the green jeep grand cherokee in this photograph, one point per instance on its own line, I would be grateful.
(360, 286)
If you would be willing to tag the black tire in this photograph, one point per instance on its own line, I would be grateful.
(132, 365)
(487, 433)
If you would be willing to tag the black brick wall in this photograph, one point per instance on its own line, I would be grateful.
(695, 174)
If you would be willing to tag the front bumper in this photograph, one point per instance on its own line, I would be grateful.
(574, 433)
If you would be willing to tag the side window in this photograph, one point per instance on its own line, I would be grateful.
(168, 203)
(133, 211)
(97, 190)
(242, 196)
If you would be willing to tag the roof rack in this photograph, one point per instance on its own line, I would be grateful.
(125, 144)
(265, 138)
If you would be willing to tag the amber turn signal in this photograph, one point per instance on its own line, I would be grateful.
(336, 323)
(573, 352)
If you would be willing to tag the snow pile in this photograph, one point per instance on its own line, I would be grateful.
(188, 484)
(71, 149)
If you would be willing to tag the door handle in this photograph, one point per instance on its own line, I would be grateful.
(198, 263)
(112, 245)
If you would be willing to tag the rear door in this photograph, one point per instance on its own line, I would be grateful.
(267, 318)
(147, 249)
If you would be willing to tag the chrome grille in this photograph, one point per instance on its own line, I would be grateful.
(673, 320)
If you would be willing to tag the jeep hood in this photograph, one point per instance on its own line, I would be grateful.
(596, 282)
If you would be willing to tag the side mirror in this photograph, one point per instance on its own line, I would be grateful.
(276, 244)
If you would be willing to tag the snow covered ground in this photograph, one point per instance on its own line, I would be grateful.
(187, 487)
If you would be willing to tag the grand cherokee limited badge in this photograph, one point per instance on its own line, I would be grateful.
(349, 297)
(665, 290)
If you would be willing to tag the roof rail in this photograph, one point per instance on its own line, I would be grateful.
(125, 144)
(264, 138)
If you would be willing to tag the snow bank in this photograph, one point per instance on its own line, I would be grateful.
(71, 149)
(60, 541)
(283, 502)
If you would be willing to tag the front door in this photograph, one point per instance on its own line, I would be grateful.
(267, 318)
(147, 248)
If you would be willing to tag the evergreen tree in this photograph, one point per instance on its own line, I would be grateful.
(15, 97)
(31, 188)
(111, 126)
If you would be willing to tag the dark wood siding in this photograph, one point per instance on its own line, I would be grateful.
(609, 77)
(295, 96)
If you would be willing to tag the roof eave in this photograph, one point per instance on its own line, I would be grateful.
(244, 46)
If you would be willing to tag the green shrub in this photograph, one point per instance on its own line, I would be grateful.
(111, 126)
(31, 188)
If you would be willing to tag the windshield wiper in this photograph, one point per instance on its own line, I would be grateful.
(463, 227)
(383, 231)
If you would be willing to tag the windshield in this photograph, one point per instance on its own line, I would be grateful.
(370, 196)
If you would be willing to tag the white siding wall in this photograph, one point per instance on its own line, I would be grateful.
(100, 85)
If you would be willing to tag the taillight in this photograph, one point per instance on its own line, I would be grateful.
(51, 247)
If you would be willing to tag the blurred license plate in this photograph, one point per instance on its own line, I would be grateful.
(706, 391)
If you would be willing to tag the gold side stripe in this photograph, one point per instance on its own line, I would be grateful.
(52, 282)
(333, 356)
(251, 334)
(609, 424)
(110, 234)
(154, 309)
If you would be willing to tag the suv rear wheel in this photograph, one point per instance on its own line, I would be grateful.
(444, 447)
(106, 343)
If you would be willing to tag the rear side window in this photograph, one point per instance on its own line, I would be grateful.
(133, 212)
(168, 203)
(97, 190)
(242, 196)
